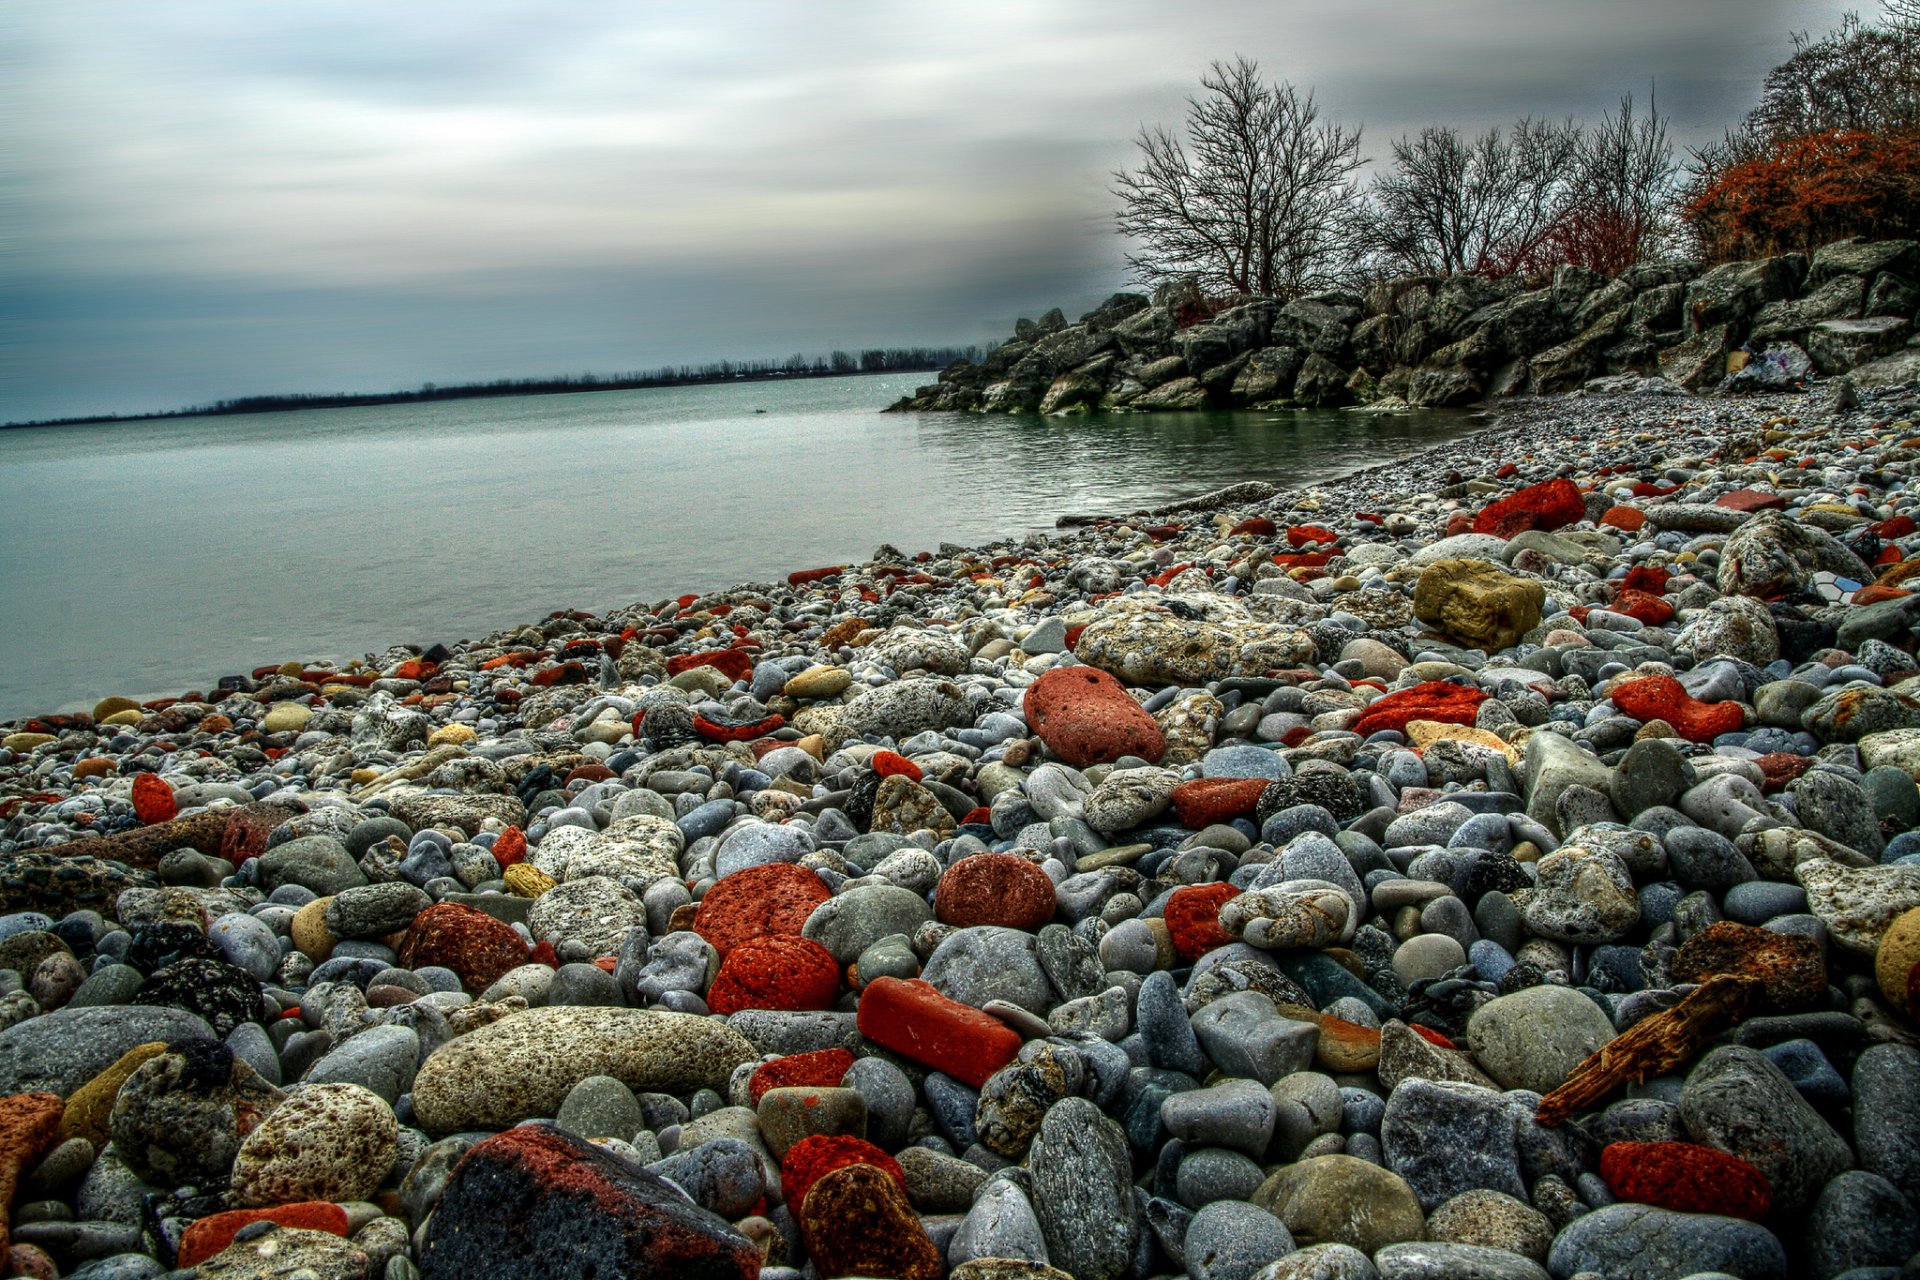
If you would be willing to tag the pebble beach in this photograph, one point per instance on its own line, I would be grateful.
(1503, 863)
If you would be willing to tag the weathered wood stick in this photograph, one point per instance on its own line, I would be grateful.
(1653, 1046)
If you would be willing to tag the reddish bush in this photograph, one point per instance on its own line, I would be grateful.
(1807, 191)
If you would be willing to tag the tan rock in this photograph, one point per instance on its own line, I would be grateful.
(91, 1106)
(1342, 1200)
(1474, 604)
(1894, 962)
(310, 932)
(1424, 733)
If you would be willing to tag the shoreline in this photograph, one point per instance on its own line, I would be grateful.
(1228, 871)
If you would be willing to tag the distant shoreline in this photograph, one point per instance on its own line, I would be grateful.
(867, 363)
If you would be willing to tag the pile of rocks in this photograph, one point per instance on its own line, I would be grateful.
(1501, 864)
(1450, 340)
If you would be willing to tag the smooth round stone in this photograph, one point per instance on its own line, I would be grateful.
(1533, 1038)
(1231, 1240)
(1758, 901)
(1243, 762)
(1210, 1174)
(1428, 955)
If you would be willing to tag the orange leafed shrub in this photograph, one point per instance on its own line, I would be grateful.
(1808, 191)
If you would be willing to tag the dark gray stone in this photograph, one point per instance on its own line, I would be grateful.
(1860, 1220)
(1640, 1242)
(1886, 1115)
(1737, 1100)
(1445, 1138)
(1083, 1192)
(62, 1050)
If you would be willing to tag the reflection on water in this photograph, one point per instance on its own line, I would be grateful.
(149, 557)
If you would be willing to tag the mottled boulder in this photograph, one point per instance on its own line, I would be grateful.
(539, 1204)
(1085, 716)
(1474, 604)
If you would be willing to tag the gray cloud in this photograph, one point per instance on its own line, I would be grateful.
(214, 198)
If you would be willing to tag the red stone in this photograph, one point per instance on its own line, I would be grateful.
(888, 764)
(1193, 918)
(565, 673)
(543, 953)
(821, 1069)
(247, 829)
(1647, 608)
(813, 1158)
(1686, 1178)
(593, 771)
(1458, 523)
(153, 799)
(1303, 559)
(803, 576)
(770, 900)
(1545, 507)
(1085, 716)
(210, 1235)
(511, 847)
(1876, 593)
(994, 889)
(1629, 519)
(1432, 1037)
(1646, 577)
(1506, 472)
(1751, 500)
(1206, 801)
(537, 1202)
(1434, 700)
(715, 731)
(979, 815)
(778, 971)
(471, 943)
(1664, 698)
(734, 664)
(1258, 526)
(1898, 527)
(1301, 535)
(916, 1021)
(29, 1123)
(1778, 768)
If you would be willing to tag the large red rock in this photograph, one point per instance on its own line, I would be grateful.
(1205, 801)
(153, 799)
(734, 664)
(1085, 716)
(1193, 918)
(821, 1069)
(994, 888)
(1542, 506)
(814, 1157)
(777, 971)
(209, 1236)
(916, 1021)
(1751, 500)
(1434, 700)
(536, 1203)
(471, 943)
(29, 1123)
(760, 901)
(1665, 698)
(1686, 1178)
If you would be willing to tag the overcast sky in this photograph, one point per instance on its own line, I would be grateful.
(207, 198)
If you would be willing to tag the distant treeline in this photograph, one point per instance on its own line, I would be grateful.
(835, 365)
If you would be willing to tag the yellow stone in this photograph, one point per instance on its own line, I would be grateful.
(457, 735)
(1424, 733)
(291, 669)
(361, 777)
(310, 932)
(91, 1105)
(25, 741)
(127, 718)
(1899, 952)
(113, 706)
(1834, 508)
(527, 880)
(814, 745)
(286, 717)
(819, 682)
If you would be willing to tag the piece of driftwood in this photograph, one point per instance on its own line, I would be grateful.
(1653, 1046)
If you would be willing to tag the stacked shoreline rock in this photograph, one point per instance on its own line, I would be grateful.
(1502, 864)
(1429, 341)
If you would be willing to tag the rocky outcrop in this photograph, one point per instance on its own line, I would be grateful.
(1437, 341)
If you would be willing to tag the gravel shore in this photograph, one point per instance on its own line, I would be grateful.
(1500, 863)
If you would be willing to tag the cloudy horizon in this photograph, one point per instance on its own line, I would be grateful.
(212, 199)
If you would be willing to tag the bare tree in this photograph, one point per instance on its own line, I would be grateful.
(1488, 206)
(1622, 210)
(1258, 199)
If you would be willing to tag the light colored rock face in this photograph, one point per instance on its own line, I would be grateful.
(1160, 648)
(1533, 1038)
(642, 847)
(1899, 748)
(596, 911)
(524, 1065)
(1858, 904)
(1476, 605)
(325, 1142)
(1342, 1200)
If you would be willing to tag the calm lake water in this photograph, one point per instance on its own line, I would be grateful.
(151, 557)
